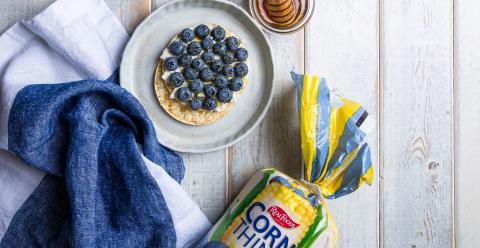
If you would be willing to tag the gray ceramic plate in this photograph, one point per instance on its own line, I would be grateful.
(147, 43)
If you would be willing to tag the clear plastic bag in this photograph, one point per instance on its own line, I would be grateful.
(275, 210)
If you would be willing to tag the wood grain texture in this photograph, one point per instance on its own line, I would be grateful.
(205, 174)
(276, 141)
(205, 182)
(130, 12)
(12, 11)
(342, 46)
(415, 117)
(467, 150)
(416, 123)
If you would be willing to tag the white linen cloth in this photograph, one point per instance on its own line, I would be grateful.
(69, 41)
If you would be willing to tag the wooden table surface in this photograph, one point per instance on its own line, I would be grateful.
(415, 65)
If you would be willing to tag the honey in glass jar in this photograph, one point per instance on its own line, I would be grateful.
(282, 16)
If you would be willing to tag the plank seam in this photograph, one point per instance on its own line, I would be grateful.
(381, 77)
(455, 119)
(228, 158)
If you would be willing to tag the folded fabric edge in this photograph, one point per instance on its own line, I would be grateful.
(12, 41)
(21, 34)
(17, 182)
(87, 33)
(96, 57)
(190, 222)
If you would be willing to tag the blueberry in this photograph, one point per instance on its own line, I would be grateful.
(196, 86)
(236, 84)
(184, 59)
(189, 73)
(198, 63)
(206, 74)
(176, 79)
(219, 48)
(171, 63)
(183, 94)
(241, 54)
(202, 30)
(217, 66)
(210, 103)
(218, 33)
(195, 103)
(207, 43)
(225, 95)
(228, 71)
(232, 43)
(210, 90)
(187, 35)
(221, 81)
(228, 58)
(176, 48)
(241, 69)
(215, 244)
(208, 56)
(194, 48)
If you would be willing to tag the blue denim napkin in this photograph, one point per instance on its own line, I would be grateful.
(88, 170)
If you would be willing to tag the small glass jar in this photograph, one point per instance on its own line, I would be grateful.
(282, 16)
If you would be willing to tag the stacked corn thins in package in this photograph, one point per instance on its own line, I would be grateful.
(275, 210)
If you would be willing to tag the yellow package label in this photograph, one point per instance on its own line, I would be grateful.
(278, 217)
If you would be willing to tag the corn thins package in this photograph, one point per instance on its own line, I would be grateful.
(277, 211)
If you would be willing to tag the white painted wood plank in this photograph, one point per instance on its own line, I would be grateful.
(467, 81)
(205, 182)
(12, 11)
(205, 174)
(276, 141)
(130, 12)
(342, 46)
(416, 124)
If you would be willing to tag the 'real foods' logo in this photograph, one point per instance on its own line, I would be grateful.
(257, 230)
(281, 217)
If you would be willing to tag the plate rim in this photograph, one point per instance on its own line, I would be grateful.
(263, 112)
